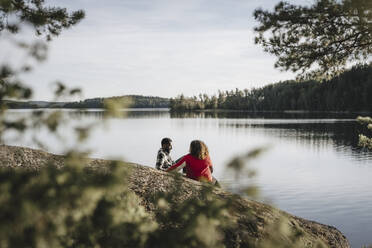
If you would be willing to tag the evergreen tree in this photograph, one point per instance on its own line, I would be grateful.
(325, 36)
(47, 21)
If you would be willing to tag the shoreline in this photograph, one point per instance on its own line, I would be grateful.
(206, 110)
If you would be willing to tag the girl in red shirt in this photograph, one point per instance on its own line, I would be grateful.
(197, 163)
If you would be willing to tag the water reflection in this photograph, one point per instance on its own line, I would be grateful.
(99, 114)
(264, 115)
(342, 134)
(315, 130)
(165, 113)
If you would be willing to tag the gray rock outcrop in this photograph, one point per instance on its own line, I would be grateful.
(146, 182)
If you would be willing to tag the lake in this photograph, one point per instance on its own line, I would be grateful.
(312, 166)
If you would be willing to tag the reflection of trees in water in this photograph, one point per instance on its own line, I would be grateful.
(134, 114)
(265, 115)
(315, 130)
(342, 135)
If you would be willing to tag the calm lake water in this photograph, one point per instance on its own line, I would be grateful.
(312, 167)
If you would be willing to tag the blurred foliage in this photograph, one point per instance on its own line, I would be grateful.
(70, 207)
(317, 40)
(47, 22)
(279, 228)
(77, 206)
(194, 222)
(132, 101)
(365, 141)
(241, 167)
(114, 107)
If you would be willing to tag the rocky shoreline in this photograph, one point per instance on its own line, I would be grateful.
(145, 182)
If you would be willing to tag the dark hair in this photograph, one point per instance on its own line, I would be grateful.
(199, 149)
(165, 141)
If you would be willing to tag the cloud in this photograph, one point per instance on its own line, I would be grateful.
(158, 47)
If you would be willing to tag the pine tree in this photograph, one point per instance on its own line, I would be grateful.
(317, 40)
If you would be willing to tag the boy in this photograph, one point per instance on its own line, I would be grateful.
(163, 159)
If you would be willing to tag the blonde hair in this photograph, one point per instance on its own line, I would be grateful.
(199, 149)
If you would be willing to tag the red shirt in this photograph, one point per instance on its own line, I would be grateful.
(197, 169)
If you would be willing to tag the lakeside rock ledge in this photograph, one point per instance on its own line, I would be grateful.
(146, 182)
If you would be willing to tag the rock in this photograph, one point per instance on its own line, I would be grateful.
(146, 182)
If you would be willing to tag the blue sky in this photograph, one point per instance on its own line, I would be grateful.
(158, 47)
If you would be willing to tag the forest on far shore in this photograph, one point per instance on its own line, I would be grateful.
(134, 101)
(350, 91)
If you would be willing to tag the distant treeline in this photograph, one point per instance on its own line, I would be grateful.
(350, 91)
(135, 101)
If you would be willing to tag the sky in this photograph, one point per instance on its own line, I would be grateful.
(159, 48)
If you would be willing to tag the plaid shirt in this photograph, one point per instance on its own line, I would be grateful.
(163, 160)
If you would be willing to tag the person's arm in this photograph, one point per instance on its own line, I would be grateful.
(183, 167)
(179, 165)
(178, 159)
(161, 162)
(210, 164)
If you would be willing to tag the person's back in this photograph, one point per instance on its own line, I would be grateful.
(198, 169)
(197, 163)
